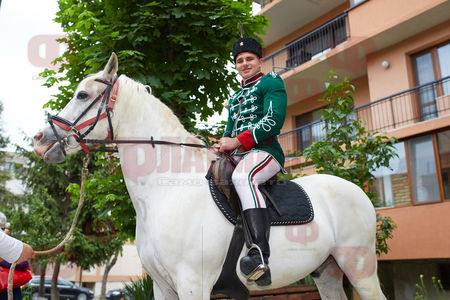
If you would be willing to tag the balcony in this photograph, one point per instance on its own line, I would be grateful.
(307, 47)
(422, 103)
(303, 72)
(295, 141)
(288, 16)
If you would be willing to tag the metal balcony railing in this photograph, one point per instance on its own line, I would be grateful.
(421, 103)
(295, 141)
(308, 46)
(418, 104)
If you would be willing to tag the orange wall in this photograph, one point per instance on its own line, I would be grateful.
(421, 128)
(422, 232)
(361, 94)
(376, 16)
(399, 76)
(311, 103)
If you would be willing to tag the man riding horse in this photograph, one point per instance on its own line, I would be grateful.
(256, 113)
(174, 221)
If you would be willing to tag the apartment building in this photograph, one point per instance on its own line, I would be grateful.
(397, 55)
(12, 162)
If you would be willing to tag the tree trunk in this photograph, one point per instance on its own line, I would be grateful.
(42, 280)
(108, 268)
(54, 290)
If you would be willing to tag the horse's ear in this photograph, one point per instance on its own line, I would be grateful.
(111, 67)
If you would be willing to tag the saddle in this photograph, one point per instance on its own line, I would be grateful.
(221, 171)
(287, 202)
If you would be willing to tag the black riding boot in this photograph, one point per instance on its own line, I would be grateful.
(258, 221)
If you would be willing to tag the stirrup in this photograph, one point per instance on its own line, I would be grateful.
(260, 269)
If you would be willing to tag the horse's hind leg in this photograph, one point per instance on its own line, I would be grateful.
(360, 266)
(328, 278)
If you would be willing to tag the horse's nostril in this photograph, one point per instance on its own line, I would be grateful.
(38, 136)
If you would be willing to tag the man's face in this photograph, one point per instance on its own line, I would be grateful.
(248, 64)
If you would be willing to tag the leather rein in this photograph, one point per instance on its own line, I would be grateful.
(108, 99)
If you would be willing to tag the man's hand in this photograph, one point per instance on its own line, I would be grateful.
(215, 149)
(27, 253)
(227, 144)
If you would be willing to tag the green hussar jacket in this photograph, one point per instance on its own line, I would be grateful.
(256, 112)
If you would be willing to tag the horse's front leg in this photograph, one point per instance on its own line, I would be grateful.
(194, 285)
(163, 292)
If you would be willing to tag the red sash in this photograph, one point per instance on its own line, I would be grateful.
(20, 278)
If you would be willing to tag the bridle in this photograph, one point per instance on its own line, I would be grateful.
(108, 99)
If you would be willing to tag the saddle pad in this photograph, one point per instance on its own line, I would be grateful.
(292, 201)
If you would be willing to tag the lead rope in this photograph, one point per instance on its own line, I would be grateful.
(84, 173)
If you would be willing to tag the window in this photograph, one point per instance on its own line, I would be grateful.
(427, 160)
(429, 66)
(422, 166)
(426, 96)
(443, 139)
(310, 129)
(391, 184)
(444, 66)
(65, 283)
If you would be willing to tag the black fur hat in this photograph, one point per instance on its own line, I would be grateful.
(247, 45)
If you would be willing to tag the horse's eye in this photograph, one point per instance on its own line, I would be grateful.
(82, 95)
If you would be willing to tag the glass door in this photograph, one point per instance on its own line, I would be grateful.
(303, 133)
(422, 166)
(426, 96)
(444, 66)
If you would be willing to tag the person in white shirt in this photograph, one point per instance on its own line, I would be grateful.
(14, 250)
(11, 249)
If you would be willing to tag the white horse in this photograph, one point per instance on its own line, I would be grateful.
(181, 236)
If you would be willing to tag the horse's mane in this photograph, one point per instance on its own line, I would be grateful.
(131, 89)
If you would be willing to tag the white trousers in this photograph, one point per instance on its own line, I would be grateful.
(253, 169)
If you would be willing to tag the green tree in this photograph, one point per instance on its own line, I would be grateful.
(115, 219)
(350, 151)
(8, 201)
(43, 218)
(46, 213)
(181, 48)
(4, 174)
